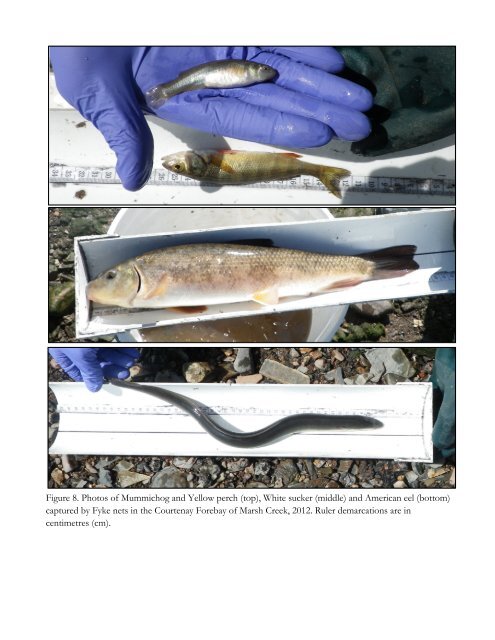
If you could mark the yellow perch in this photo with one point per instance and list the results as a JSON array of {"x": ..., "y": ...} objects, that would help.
[
  {"x": 206, "y": 274},
  {"x": 246, "y": 167}
]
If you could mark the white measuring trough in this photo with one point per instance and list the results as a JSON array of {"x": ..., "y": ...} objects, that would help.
[{"x": 122, "y": 421}]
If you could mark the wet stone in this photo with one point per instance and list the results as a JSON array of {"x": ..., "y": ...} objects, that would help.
[
  {"x": 394, "y": 360},
  {"x": 196, "y": 371},
  {"x": 410, "y": 305},
  {"x": 57, "y": 476},
  {"x": 104, "y": 478},
  {"x": 102, "y": 463},
  {"x": 123, "y": 465},
  {"x": 253, "y": 379},
  {"x": 236, "y": 464},
  {"x": 373, "y": 309},
  {"x": 61, "y": 298},
  {"x": 155, "y": 464},
  {"x": 243, "y": 362},
  {"x": 392, "y": 378},
  {"x": 285, "y": 471},
  {"x": 282, "y": 374},
  {"x": 68, "y": 463},
  {"x": 129, "y": 478},
  {"x": 262, "y": 468},
  {"x": 347, "y": 479},
  {"x": 169, "y": 478},
  {"x": 183, "y": 463},
  {"x": 344, "y": 466}
]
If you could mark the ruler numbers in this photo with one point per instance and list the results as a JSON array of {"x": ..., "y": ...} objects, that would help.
[{"x": 364, "y": 184}]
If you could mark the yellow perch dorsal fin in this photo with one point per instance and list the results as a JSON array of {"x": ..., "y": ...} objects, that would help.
[
  {"x": 159, "y": 290},
  {"x": 289, "y": 154},
  {"x": 266, "y": 297}
]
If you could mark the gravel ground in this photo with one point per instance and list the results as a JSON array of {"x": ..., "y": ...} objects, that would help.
[
  {"x": 322, "y": 366},
  {"x": 425, "y": 319}
]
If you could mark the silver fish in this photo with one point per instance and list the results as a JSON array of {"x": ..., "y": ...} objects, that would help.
[{"x": 220, "y": 74}]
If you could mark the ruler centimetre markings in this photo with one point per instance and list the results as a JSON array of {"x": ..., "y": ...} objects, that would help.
[
  {"x": 64, "y": 174},
  {"x": 220, "y": 410}
]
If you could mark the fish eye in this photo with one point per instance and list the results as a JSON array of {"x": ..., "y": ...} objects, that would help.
[
  {"x": 110, "y": 275},
  {"x": 177, "y": 167}
]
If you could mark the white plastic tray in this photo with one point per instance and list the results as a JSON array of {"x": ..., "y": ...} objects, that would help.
[
  {"x": 122, "y": 421},
  {"x": 430, "y": 230}
]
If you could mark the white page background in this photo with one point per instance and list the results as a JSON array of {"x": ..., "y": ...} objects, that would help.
[{"x": 244, "y": 578}]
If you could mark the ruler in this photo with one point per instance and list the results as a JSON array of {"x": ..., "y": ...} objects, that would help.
[
  {"x": 64, "y": 174},
  {"x": 220, "y": 410}
]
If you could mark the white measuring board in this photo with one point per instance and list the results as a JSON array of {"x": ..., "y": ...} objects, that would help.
[
  {"x": 431, "y": 230},
  {"x": 122, "y": 421},
  {"x": 82, "y": 171}
]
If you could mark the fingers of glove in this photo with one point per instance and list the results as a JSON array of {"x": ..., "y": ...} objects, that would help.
[
  {"x": 324, "y": 58},
  {"x": 99, "y": 83},
  {"x": 61, "y": 357},
  {"x": 123, "y": 125},
  {"x": 114, "y": 371},
  {"x": 89, "y": 368},
  {"x": 67, "y": 359},
  {"x": 122, "y": 357},
  {"x": 234, "y": 118},
  {"x": 317, "y": 83},
  {"x": 348, "y": 124}
]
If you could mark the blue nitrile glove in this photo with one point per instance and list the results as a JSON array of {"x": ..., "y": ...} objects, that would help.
[
  {"x": 443, "y": 379},
  {"x": 93, "y": 365},
  {"x": 305, "y": 106}
]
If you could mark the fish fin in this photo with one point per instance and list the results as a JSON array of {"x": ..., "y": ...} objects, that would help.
[
  {"x": 159, "y": 290},
  {"x": 216, "y": 159},
  {"x": 197, "y": 309},
  {"x": 343, "y": 284},
  {"x": 392, "y": 262},
  {"x": 289, "y": 154},
  {"x": 266, "y": 297},
  {"x": 331, "y": 177}
]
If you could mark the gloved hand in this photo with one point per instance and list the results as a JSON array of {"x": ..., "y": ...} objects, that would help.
[
  {"x": 443, "y": 379},
  {"x": 305, "y": 106},
  {"x": 91, "y": 365}
]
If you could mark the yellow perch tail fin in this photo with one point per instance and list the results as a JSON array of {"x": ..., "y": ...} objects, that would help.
[{"x": 331, "y": 177}]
